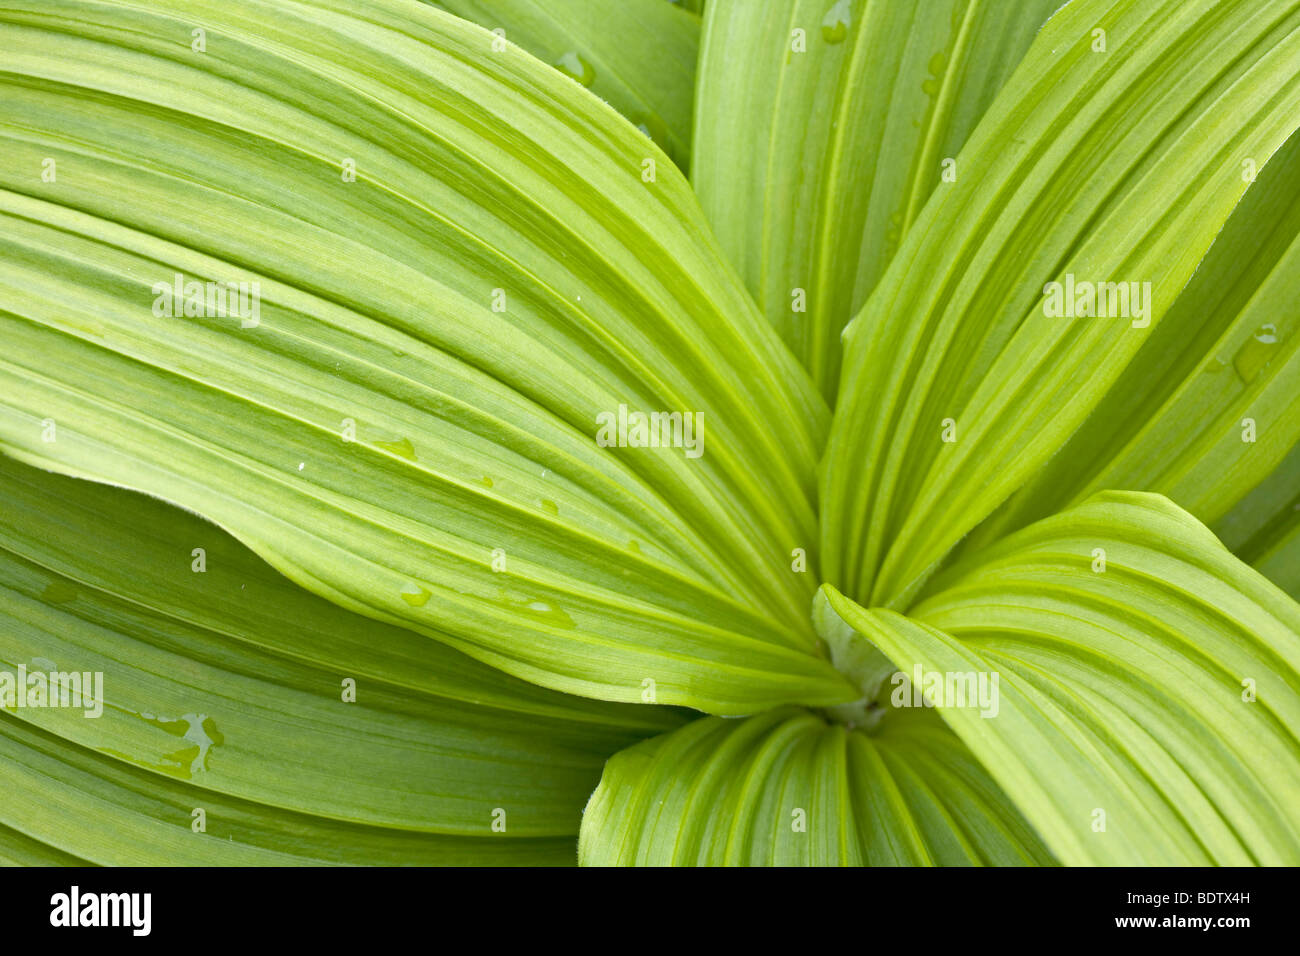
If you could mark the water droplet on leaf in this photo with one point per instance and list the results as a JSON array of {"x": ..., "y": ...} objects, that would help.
[
  {"x": 199, "y": 730},
  {"x": 835, "y": 25},
  {"x": 1257, "y": 352},
  {"x": 652, "y": 126},
  {"x": 58, "y": 591},
  {"x": 415, "y": 595},
  {"x": 575, "y": 65},
  {"x": 401, "y": 446},
  {"x": 551, "y": 615}
]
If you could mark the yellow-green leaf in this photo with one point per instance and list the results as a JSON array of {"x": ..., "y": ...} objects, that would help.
[{"x": 466, "y": 273}]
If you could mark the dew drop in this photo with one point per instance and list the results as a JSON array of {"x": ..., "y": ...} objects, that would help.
[
  {"x": 547, "y": 613},
  {"x": 302, "y": 465},
  {"x": 486, "y": 482},
  {"x": 1257, "y": 351},
  {"x": 575, "y": 65},
  {"x": 401, "y": 446},
  {"x": 199, "y": 731},
  {"x": 652, "y": 126},
  {"x": 58, "y": 591},
  {"x": 835, "y": 25},
  {"x": 550, "y": 507},
  {"x": 551, "y": 615},
  {"x": 894, "y": 232},
  {"x": 415, "y": 595}
]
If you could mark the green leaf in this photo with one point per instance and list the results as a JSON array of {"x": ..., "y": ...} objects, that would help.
[
  {"x": 822, "y": 129},
  {"x": 788, "y": 789},
  {"x": 694, "y": 6},
  {"x": 1279, "y": 558},
  {"x": 959, "y": 383},
  {"x": 83, "y": 808},
  {"x": 382, "y": 435},
  {"x": 639, "y": 55},
  {"x": 1210, "y": 406},
  {"x": 224, "y": 688},
  {"x": 1264, "y": 527},
  {"x": 1149, "y": 684}
]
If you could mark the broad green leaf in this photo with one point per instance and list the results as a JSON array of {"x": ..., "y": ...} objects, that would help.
[
  {"x": 786, "y": 788},
  {"x": 960, "y": 382},
  {"x": 1279, "y": 554},
  {"x": 1264, "y": 527},
  {"x": 383, "y": 435},
  {"x": 823, "y": 127},
  {"x": 84, "y": 808},
  {"x": 639, "y": 55},
  {"x": 1210, "y": 406},
  {"x": 17, "y": 849},
  {"x": 220, "y": 673},
  {"x": 1148, "y": 684}
]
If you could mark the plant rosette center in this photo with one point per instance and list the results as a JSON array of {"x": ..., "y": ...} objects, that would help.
[{"x": 857, "y": 659}]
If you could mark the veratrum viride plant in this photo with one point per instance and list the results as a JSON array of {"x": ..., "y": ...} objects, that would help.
[{"x": 528, "y": 431}]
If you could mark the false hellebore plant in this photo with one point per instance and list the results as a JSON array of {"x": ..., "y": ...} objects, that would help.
[{"x": 940, "y": 430}]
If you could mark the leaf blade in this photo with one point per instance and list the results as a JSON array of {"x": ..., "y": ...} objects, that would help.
[
  {"x": 623, "y": 565},
  {"x": 843, "y": 140},
  {"x": 226, "y": 688},
  {"x": 959, "y": 384},
  {"x": 786, "y": 788},
  {"x": 1122, "y": 690},
  {"x": 639, "y": 55},
  {"x": 1217, "y": 376}
]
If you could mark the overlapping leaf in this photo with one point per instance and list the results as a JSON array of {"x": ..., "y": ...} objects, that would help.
[
  {"x": 639, "y": 55},
  {"x": 787, "y": 788},
  {"x": 1114, "y": 166},
  {"x": 823, "y": 127},
  {"x": 410, "y": 427},
  {"x": 1149, "y": 684},
  {"x": 1210, "y": 406},
  {"x": 1278, "y": 554},
  {"x": 1264, "y": 527},
  {"x": 464, "y": 259},
  {"x": 224, "y": 690}
]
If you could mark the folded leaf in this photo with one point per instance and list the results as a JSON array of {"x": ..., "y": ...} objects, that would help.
[
  {"x": 82, "y": 808},
  {"x": 788, "y": 789},
  {"x": 639, "y": 55},
  {"x": 1263, "y": 529},
  {"x": 267, "y": 702},
  {"x": 428, "y": 419},
  {"x": 17, "y": 849},
  {"x": 1279, "y": 558},
  {"x": 1148, "y": 684},
  {"x": 823, "y": 127},
  {"x": 1210, "y": 406},
  {"x": 1098, "y": 167}
]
